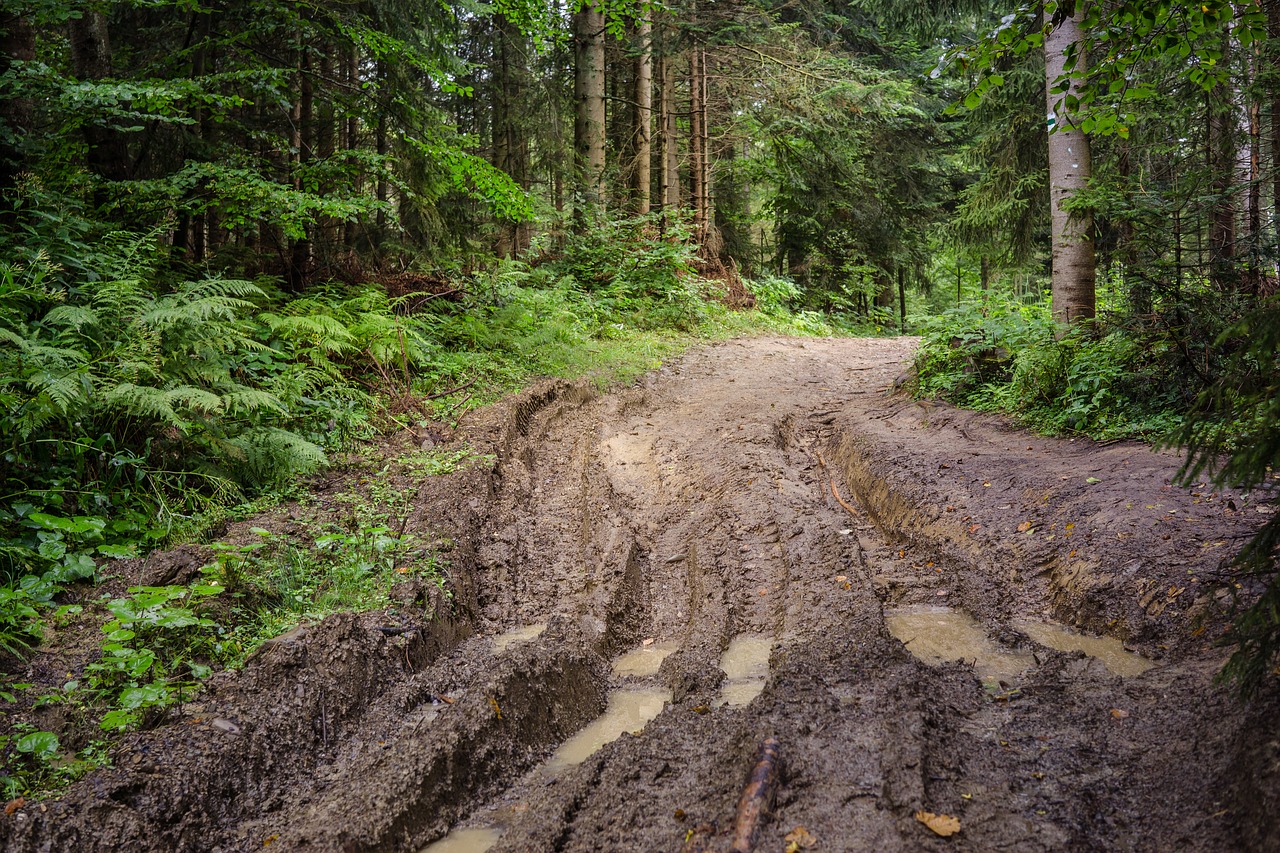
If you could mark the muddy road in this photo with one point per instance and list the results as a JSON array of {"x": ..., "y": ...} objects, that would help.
[{"x": 756, "y": 541}]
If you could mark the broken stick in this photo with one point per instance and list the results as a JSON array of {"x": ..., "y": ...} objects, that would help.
[{"x": 757, "y": 797}]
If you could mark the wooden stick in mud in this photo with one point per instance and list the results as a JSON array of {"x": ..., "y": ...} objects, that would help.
[
  {"x": 757, "y": 797},
  {"x": 831, "y": 478}
]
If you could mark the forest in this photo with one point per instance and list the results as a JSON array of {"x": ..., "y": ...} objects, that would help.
[{"x": 239, "y": 240}]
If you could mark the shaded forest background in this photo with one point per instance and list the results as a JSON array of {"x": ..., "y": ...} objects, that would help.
[{"x": 239, "y": 236}]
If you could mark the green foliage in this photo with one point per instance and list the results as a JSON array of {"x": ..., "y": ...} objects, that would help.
[
  {"x": 1233, "y": 435},
  {"x": 1102, "y": 380},
  {"x": 281, "y": 581},
  {"x": 20, "y": 625},
  {"x": 154, "y": 634},
  {"x": 774, "y": 294}
]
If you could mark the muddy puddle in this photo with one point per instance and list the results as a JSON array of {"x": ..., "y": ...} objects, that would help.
[
  {"x": 938, "y": 634},
  {"x": 1109, "y": 650},
  {"x": 644, "y": 661},
  {"x": 629, "y": 710},
  {"x": 501, "y": 642},
  {"x": 476, "y": 840},
  {"x": 746, "y": 667}
]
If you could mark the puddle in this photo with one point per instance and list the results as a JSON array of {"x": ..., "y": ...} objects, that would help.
[
  {"x": 746, "y": 666},
  {"x": 628, "y": 711},
  {"x": 465, "y": 841},
  {"x": 1109, "y": 650},
  {"x": 517, "y": 635},
  {"x": 644, "y": 661},
  {"x": 937, "y": 634}
]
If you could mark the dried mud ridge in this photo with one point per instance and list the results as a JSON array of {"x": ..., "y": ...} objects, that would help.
[{"x": 711, "y": 502}]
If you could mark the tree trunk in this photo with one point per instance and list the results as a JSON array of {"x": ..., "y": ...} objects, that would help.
[
  {"x": 17, "y": 43},
  {"x": 589, "y": 115},
  {"x": 304, "y": 136},
  {"x": 641, "y": 179},
  {"x": 1070, "y": 168},
  {"x": 1273, "y": 34},
  {"x": 351, "y": 133},
  {"x": 106, "y": 154},
  {"x": 503, "y": 133},
  {"x": 902, "y": 301},
  {"x": 698, "y": 142},
  {"x": 670, "y": 153}
]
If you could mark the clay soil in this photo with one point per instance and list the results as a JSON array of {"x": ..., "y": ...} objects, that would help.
[{"x": 770, "y": 487}]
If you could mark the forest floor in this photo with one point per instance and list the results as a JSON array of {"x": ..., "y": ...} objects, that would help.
[{"x": 736, "y": 548}]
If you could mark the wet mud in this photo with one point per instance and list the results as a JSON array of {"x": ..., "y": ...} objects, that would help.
[{"x": 929, "y": 609}]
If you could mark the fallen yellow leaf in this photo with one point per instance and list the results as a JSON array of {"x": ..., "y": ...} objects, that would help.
[
  {"x": 799, "y": 839},
  {"x": 1024, "y": 527},
  {"x": 941, "y": 824},
  {"x": 1119, "y": 714}
]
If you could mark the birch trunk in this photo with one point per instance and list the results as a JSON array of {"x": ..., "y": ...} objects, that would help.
[
  {"x": 1070, "y": 167},
  {"x": 589, "y": 115}
]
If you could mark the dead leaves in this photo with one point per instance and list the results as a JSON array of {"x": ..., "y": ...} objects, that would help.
[
  {"x": 799, "y": 839},
  {"x": 940, "y": 824}
]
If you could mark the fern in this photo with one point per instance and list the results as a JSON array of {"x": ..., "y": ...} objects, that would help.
[{"x": 270, "y": 456}]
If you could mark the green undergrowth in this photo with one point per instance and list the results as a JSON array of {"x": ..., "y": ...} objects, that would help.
[
  {"x": 142, "y": 409},
  {"x": 1121, "y": 376},
  {"x": 1198, "y": 373}
]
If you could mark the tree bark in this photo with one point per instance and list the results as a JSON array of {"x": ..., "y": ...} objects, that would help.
[
  {"x": 670, "y": 153},
  {"x": 698, "y": 142},
  {"x": 589, "y": 115},
  {"x": 106, "y": 154},
  {"x": 1273, "y": 35},
  {"x": 641, "y": 177},
  {"x": 503, "y": 133},
  {"x": 1070, "y": 168},
  {"x": 902, "y": 301}
]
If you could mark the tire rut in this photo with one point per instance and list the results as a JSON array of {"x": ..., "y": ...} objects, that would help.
[{"x": 698, "y": 507}]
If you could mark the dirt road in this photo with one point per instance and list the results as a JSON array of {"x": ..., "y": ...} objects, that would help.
[{"x": 736, "y": 549}]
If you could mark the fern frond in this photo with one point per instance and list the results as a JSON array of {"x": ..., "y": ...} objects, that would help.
[
  {"x": 319, "y": 330},
  {"x": 271, "y": 455},
  {"x": 172, "y": 311},
  {"x": 73, "y": 317},
  {"x": 244, "y": 401},
  {"x": 221, "y": 287},
  {"x": 195, "y": 399},
  {"x": 63, "y": 391},
  {"x": 161, "y": 405}
]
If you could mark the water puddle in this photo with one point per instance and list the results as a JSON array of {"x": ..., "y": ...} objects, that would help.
[
  {"x": 644, "y": 661},
  {"x": 475, "y": 840},
  {"x": 1109, "y": 650},
  {"x": 628, "y": 711},
  {"x": 517, "y": 635},
  {"x": 937, "y": 634},
  {"x": 746, "y": 666}
]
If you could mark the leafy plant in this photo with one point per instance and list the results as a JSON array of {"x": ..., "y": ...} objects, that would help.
[{"x": 151, "y": 638}]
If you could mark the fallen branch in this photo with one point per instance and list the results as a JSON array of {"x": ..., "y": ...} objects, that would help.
[
  {"x": 757, "y": 797},
  {"x": 462, "y": 387},
  {"x": 853, "y": 510}
]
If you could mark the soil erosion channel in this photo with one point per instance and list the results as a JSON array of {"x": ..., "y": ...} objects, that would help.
[{"x": 926, "y": 610}]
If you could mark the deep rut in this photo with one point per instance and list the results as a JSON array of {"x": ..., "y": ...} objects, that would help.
[{"x": 698, "y": 507}]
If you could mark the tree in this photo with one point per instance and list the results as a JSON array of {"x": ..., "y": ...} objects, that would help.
[
  {"x": 1070, "y": 166},
  {"x": 589, "y": 114}
]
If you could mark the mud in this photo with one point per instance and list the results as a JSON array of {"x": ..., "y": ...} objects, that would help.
[{"x": 766, "y": 488}]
